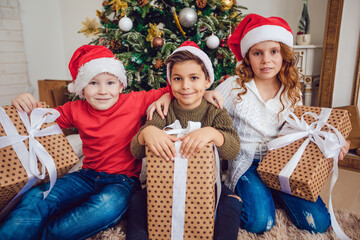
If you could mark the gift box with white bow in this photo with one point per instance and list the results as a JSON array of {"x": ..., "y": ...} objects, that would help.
[
  {"x": 299, "y": 162},
  {"x": 181, "y": 195},
  {"x": 33, "y": 150}
]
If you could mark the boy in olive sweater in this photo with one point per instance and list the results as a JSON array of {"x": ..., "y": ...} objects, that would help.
[{"x": 190, "y": 73}]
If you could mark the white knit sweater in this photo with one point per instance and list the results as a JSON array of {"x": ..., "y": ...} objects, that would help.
[{"x": 255, "y": 121}]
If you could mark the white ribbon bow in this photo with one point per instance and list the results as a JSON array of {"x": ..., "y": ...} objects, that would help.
[
  {"x": 180, "y": 176},
  {"x": 329, "y": 143},
  {"x": 29, "y": 159}
]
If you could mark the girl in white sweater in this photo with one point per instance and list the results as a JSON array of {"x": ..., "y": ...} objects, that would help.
[{"x": 265, "y": 88}]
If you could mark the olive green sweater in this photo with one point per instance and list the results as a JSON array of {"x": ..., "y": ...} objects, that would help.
[{"x": 207, "y": 114}]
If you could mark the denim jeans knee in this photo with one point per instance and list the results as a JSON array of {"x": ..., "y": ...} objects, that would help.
[
  {"x": 258, "y": 213},
  {"x": 306, "y": 215},
  {"x": 103, "y": 209},
  {"x": 80, "y": 205}
]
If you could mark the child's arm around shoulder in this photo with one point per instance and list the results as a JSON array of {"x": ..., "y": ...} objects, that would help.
[{"x": 25, "y": 102}]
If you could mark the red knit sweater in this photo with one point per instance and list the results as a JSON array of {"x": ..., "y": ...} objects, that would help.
[{"x": 106, "y": 135}]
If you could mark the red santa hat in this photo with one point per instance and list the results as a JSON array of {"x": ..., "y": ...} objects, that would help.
[
  {"x": 90, "y": 60},
  {"x": 254, "y": 29},
  {"x": 194, "y": 49}
]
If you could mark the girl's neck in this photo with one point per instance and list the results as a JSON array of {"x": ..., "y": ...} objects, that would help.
[{"x": 268, "y": 88}]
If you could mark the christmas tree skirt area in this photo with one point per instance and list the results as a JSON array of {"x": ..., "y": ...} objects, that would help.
[{"x": 283, "y": 229}]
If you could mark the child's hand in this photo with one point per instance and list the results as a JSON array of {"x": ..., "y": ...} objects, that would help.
[
  {"x": 160, "y": 143},
  {"x": 215, "y": 98},
  {"x": 163, "y": 101},
  {"x": 344, "y": 150},
  {"x": 25, "y": 102},
  {"x": 197, "y": 139}
]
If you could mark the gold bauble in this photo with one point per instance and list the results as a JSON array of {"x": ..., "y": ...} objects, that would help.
[{"x": 226, "y": 4}]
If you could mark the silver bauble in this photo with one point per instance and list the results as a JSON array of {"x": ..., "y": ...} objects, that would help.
[{"x": 187, "y": 17}]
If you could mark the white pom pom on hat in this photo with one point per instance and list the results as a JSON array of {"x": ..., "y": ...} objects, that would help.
[
  {"x": 90, "y": 60},
  {"x": 254, "y": 29}
]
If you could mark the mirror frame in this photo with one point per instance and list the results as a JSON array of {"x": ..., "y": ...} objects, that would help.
[
  {"x": 330, "y": 49},
  {"x": 355, "y": 99}
]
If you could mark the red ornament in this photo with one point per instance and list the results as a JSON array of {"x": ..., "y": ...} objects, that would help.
[{"x": 223, "y": 43}]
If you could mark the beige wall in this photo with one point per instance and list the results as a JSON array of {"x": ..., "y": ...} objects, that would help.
[
  {"x": 51, "y": 35},
  {"x": 347, "y": 53}
]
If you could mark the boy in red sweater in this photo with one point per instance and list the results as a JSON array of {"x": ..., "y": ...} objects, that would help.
[{"x": 94, "y": 198}]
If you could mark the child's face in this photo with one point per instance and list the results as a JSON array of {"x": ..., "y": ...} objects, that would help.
[
  {"x": 265, "y": 60},
  {"x": 188, "y": 83},
  {"x": 102, "y": 92}
]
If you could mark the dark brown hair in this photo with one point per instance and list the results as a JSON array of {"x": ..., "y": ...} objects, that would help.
[{"x": 182, "y": 56}]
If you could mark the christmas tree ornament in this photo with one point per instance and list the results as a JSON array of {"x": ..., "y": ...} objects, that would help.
[
  {"x": 143, "y": 2},
  {"x": 177, "y": 22},
  {"x": 90, "y": 27},
  {"x": 101, "y": 16},
  {"x": 212, "y": 42},
  {"x": 105, "y": 3},
  {"x": 200, "y": 3},
  {"x": 158, "y": 64},
  {"x": 154, "y": 32},
  {"x": 187, "y": 17},
  {"x": 226, "y": 5},
  {"x": 115, "y": 45},
  {"x": 116, "y": 5},
  {"x": 125, "y": 24},
  {"x": 158, "y": 42}
]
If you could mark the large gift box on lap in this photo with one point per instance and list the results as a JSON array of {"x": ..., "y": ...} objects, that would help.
[
  {"x": 306, "y": 177},
  {"x": 199, "y": 205},
  {"x": 50, "y": 149}
]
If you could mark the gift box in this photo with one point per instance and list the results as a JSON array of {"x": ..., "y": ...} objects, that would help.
[
  {"x": 199, "y": 205},
  {"x": 17, "y": 168},
  {"x": 305, "y": 177}
]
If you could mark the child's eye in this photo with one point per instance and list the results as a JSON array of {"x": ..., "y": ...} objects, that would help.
[
  {"x": 111, "y": 82},
  {"x": 257, "y": 53},
  {"x": 194, "y": 78},
  {"x": 92, "y": 83},
  {"x": 177, "y": 79},
  {"x": 274, "y": 51}
]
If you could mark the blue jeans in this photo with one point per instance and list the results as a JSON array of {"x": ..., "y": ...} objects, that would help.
[
  {"x": 80, "y": 205},
  {"x": 258, "y": 213}
]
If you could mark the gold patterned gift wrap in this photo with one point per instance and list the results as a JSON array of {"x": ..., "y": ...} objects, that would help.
[
  {"x": 300, "y": 161},
  {"x": 198, "y": 207},
  {"x": 33, "y": 150}
]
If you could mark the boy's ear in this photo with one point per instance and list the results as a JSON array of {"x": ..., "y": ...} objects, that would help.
[
  {"x": 121, "y": 88},
  {"x": 208, "y": 83}
]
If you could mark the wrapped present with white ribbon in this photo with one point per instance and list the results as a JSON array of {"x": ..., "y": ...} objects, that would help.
[
  {"x": 181, "y": 193},
  {"x": 299, "y": 162},
  {"x": 33, "y": 150}
]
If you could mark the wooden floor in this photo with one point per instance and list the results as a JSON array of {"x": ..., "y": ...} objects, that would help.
[{"x": 346, "y": 192}]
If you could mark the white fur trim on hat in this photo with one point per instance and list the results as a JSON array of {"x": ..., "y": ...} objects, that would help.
[
  {"x": 200, "y": 54},
  {"x": 93, "y": 68},
  {"x": 265, "y": 33}
]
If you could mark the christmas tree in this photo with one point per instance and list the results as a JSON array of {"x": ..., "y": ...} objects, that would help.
[{"x": 142, "y": 34}]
